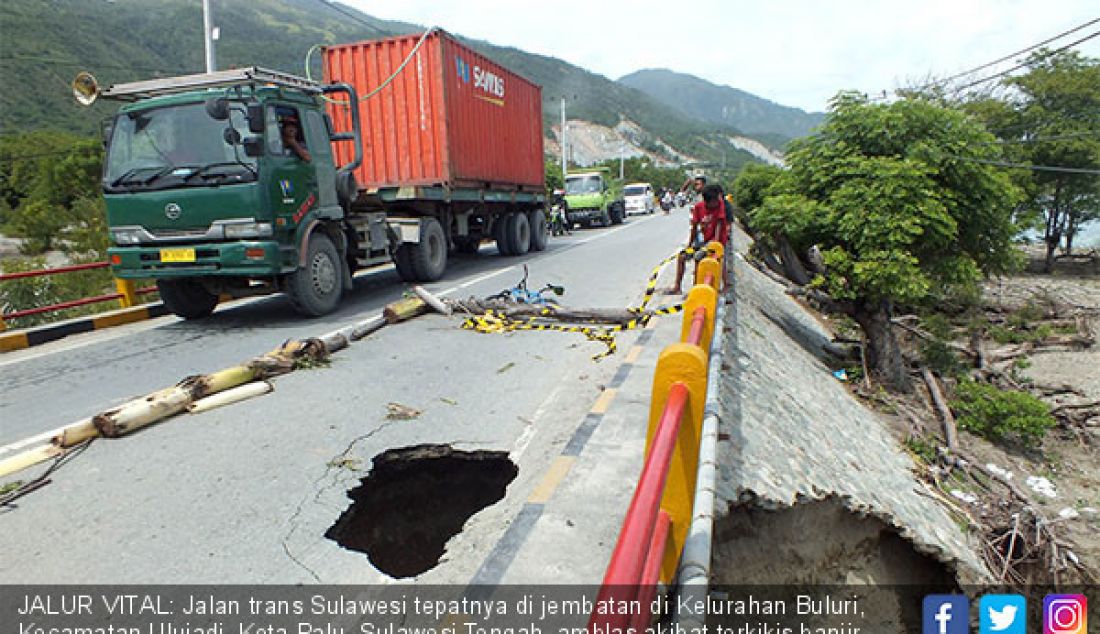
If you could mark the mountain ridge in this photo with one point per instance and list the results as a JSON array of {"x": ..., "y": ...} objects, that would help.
[
  {"x": 48, "y": 41},
  {"x": 722, "y": 104}
]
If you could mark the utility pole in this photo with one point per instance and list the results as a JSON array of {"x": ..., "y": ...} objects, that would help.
[
  {"x": 564, "y": 163},
  {"x": 210, "y": 34},
  {"x": 622, "y": 150}
]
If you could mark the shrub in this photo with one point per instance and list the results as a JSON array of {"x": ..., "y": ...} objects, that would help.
[
  {"x": 998, "y": 414},
  {"x": 32, "y": 292}
]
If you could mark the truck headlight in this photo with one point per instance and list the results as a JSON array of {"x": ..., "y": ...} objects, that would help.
[
  {"x": 125, "y": 237},
  {"x": 248, "y": 230}
]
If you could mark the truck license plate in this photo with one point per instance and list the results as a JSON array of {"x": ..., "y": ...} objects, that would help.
[{"x": 177, "y": 255}]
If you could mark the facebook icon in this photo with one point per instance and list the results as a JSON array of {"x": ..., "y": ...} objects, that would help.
[{"x": 946, "y": 614}]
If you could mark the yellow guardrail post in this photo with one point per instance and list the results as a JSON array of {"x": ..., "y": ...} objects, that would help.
[
  {"x": 707, "y": 297},
  {"x": 125, "y": 288},
  {"x": 717, "y": 251},
  {"x": 711, "y": 266},
  {"x": 687, "y": 364}
]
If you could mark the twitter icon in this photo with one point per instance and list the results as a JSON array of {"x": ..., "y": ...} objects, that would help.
[{"x": 1002, "y": 614}]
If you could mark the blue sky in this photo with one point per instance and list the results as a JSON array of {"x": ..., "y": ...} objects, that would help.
[{"x": 797, "y": 53}]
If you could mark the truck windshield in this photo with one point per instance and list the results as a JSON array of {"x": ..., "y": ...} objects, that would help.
[
  {"x": 634, "y": 191},
  {"x": 165, "y": 147},
  {"x": 583, "y": 185}
]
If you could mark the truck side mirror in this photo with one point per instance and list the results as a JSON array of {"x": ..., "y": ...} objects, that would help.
[
  {"x": 253, "y": 146},
  {"x": 255, "y": 116},
  {"x": 217, "y": 108}
]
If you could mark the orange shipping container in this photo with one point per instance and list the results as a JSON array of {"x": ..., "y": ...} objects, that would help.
[{"x": 451, "y": 117}]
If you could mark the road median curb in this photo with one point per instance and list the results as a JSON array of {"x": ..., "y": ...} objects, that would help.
[{"x": 28, "y": 337}]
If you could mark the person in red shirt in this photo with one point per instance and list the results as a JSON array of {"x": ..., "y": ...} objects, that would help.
[{"x": 708, "y": 223}]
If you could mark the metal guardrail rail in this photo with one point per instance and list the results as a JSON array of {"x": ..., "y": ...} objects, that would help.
[
  {"x": 659, "y": 517},
  {"x": 126, "y": 293}
]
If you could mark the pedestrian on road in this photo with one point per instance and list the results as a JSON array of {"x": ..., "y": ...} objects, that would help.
[{"x": 708, "y": 223}]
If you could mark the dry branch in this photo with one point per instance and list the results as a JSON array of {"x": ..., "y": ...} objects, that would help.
[
  {"x": 560, "y": 313},
  {"x": 951, "y": 433}
]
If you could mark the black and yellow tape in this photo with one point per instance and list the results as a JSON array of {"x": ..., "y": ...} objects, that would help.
[{"x": 496, "y": 321}]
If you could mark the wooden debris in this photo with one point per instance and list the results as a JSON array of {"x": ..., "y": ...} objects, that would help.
[
  {"x": 404, "y": 309},
  {"x": 76, "y": 433},
  {"x": 29, "y": 458},
  {"x": 397, "y": 411},
  {"x": 618, "y": 316},
  {"x": 951, "y": 433},
  {"x": 233, "y": 395},
  {"x": 437, "y": 304}
]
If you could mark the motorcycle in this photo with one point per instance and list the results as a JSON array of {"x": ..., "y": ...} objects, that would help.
[
  {"x": 559, "y": 219},
  {"x": 520, "y": 294}
]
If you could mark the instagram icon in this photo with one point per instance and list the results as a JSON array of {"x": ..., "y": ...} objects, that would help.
[{"x": 1065, "y": 614}]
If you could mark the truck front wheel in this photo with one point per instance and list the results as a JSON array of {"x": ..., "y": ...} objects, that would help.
[
  {"x": 315, "y": 288},
  {"x": 617, "y": 214},
  {"x": 429, "y": 258},
  {"x": 187, "y": 298}
]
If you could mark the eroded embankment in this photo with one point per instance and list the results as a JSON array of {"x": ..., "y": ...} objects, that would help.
[{"x": 808, "y": 475}]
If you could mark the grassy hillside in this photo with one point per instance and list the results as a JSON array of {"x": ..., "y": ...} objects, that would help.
[
  {"x": 46, "y": 42},
  {"x": 701, "y": 99}
]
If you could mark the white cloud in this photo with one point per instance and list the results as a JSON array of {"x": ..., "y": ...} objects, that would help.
[{"x": 797, "y": 53}]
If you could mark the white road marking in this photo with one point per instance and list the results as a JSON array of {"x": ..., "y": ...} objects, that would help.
[
  {"x": 524, "y": 439},
  {"x": 477, "y": 280}
]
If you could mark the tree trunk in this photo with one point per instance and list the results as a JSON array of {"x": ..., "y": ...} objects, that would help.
[
  {"x": 1071, "y": 231},
  {"x": 883, "y": 352},
  {"x": 792, "y": 265},
  {"x": 1054, "y": 226}
]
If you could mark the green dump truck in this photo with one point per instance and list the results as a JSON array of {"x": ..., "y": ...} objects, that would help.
[{"x": 591, "y": 196}]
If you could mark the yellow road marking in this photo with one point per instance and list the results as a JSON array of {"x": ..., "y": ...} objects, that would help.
[
  {"x": 604, "y": 401},
  {"x": 554, "y": 475}
]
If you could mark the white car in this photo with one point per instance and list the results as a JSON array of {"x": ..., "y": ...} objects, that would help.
[{"x": 639, "y": 198}]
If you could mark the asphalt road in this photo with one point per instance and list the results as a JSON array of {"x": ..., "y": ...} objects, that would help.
[{"x": 245, "y": 493}]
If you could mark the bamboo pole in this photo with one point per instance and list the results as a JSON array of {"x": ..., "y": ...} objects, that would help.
[
  {"x": 404, "y": 309},
  {"x": 232, "y": 395},
  {"x": 437, "y": 304},
  {"x": 76, "y": 433},
  {"x": 29, "y": 458}
]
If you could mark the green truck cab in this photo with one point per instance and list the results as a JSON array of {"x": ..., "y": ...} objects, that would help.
[
  {"x": 204, "y": 197},
  {"x": 592, "y": 196}
]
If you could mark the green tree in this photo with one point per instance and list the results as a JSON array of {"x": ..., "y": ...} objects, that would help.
[
  {"x": 554, "y": 178},
  {"x": 751, "y": 185},
  {"x": 1055, "y": 112},
  {"x": 50, "y": 192},
  {"x": 898, "y": 201}
]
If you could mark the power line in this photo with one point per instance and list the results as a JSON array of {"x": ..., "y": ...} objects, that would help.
[
  {"x": 1011, "y": 55},
  {"x": 1025, "y": 166},
  {"x": 1061, "y": 137},
  {"x": 336, "y": 7},
  {"x": 1024, "y": 64}
]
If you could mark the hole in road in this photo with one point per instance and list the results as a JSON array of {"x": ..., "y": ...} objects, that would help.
[{"x": 414, "y": 500}]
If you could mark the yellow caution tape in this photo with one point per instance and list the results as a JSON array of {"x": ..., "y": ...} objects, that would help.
[{"x": 496, "y": 321}]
